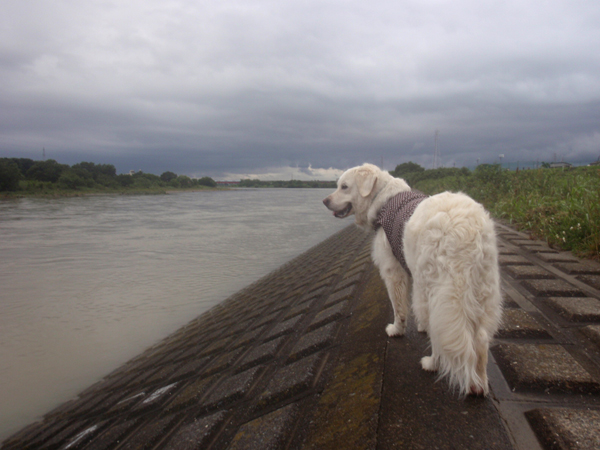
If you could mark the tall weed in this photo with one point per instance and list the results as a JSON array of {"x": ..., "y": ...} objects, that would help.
[{"x": 562, "y": 207}]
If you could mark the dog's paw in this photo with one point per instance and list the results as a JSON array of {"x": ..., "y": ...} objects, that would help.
[
  {"x": 394, "y": 330},
  {"x": 477, "y": 391},
  {"x": 429, "y": 363},
  {"x": 421, "y": 328}
]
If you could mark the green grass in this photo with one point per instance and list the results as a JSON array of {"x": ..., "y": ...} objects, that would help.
[{"x": 559, "y": 206}]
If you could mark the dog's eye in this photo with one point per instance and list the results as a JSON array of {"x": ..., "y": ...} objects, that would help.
[{"x": 344, "y": 186}]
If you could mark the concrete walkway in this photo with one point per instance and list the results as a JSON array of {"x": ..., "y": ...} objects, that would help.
[{"x": 300, "y": 360}]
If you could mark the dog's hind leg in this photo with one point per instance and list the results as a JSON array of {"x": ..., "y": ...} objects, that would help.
[
  {"x": 482, "y": 341},
  {"x": 420, "y": 306},
  {"x": 398, "y": 287}
]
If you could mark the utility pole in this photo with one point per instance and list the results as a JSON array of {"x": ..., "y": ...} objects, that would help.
[
  {"x": 43, "y": 153},
  {"x": 436, "y": 156}
]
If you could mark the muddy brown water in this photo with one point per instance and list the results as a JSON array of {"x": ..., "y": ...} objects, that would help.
[{"x": 88, "y": 283}]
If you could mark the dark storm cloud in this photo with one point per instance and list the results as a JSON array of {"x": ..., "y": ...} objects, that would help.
[{"x": 262, "y": 88}]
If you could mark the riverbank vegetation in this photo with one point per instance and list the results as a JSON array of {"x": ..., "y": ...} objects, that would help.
[
  {"x": 25, "y": 177},
  {"x": 561, "y": 206},
  {"x": 287, "y": 184}
]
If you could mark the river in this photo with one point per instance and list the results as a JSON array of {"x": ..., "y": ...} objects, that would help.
[{"x": 87, "y": 283}]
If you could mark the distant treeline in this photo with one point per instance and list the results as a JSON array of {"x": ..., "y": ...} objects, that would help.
[
  {"x": 287, "y": 184},
  {"x": 27, "y": 175},
  {"x": 561, "y": 206}
]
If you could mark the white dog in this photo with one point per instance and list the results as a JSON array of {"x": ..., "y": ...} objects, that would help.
[{"x": 450, "y": 250}]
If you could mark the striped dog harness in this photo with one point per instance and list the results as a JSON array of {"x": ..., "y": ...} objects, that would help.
[{"x": 393, "y": 217}]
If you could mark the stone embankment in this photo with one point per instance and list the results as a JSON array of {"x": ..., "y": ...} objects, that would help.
[{"x": 300, "y": 360}]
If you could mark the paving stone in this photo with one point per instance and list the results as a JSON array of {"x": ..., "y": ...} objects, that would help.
[
  {"x": 528, "y": 272},
  {"x": 338, "y": 296},
  {"x": 580, "y": 268},
  {"x": 522, "y": 241},
  {"x": 564, "y": 428},
  {"x": 191, "y": 368},
  {"x": 349, "y": 281},
  {"x": 84, "y": 436},
  {"x": 48, "y": 431},
  {"x": 592, "y": 332},
  {"x": 156, "y": 397},
  {"x": 358, "y": 267},
  {"x": 270, "y": 432},
  {"x": 215, "y": 347},
  {"x": 163, "y": 374},
  {"x": 552, "y": 288},
  {"x": 191, "y": 352},
  {"x": 112, "y": 436},
  {"x": 282, "y": 328},
  {"x": 231, "y": 389},
  {"x": 221, "y": 362},
  {"x": 126, "y": 379},
  {"x": 290, "y": 380},
  {"x": 196, "y": 434},
  {"x": 317, "y": 291},
  {"x": 127, "y": 403},
  {"x": 106, "y": 403},
  {"x": 296, "y": 310},
  {"x": 576, "y": 309},
  {"x": 543, "y": 367},
  {"x": 148, "y": 435},
  {"x": 591, "y": 280},
  {"x": 59, "y": 438},
  {"x": 70, "y": 406},
  {"x": 191, "y": 393},
  {"x": 263, "y": 321},
  {"x": 335, "y": 312},
  {"x": 505, "y": 251},
  {"x": 517, "y": 323},
  {"x": 558, "y": 257},
  {"x": 248, "y": 338},
  {"x": 260, "y": 354},
  {"x": 314, "y": 341},
  {"x": 538, "y": 249},
  {"x": 507, "y": 260}
]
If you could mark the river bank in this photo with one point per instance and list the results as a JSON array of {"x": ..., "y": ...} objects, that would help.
[{"x": 89, "y": 282}]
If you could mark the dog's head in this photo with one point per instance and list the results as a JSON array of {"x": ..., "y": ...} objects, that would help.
[{"x": 354, "y": 192}]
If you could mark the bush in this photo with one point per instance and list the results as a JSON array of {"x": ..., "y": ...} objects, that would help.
[
  {"x": 69, "y": 179},
  {"x": 207, "y": 181},
  {"x": 168, "y": 176},
  {"x": 48, "y": 170},
  {"x": 10, "y": 175},
  {"x": 403, "y": 169},
  {"x": 182, "y": 181}
]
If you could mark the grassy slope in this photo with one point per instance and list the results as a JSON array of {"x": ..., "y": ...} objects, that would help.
[{"x": 562, "y": 207}]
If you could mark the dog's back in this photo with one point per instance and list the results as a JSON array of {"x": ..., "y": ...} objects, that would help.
[{"x": 450, "y": 246}]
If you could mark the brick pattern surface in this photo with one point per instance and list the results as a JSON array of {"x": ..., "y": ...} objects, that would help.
[
  {"x": 300, "y": 360},
  {"x": 235, "y": 377},
  {"x": 548, "y": 348}
]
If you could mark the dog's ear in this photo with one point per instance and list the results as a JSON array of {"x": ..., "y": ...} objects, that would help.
[{"x": 366, "y": 180}]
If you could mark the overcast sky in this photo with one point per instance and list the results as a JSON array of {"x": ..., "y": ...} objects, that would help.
[{"x": 282, "y": 88}]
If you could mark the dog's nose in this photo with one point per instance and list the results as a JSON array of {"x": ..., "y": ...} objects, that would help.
[{"x": 326, "y": 201}]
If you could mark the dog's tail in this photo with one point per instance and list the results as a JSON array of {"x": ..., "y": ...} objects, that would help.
[{"x": 462, "y": 323}]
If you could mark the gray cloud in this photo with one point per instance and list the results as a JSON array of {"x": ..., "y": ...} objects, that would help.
[{"x": 239, "y": 87}]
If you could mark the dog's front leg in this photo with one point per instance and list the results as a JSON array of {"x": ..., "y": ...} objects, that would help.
[{"x": 398, "y": 287}]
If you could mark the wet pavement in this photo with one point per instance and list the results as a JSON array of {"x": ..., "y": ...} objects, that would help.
[{"x": 300, "y": 360}]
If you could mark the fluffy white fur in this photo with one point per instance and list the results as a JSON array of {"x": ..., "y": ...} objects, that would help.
[{"x": 450, "y": 249}]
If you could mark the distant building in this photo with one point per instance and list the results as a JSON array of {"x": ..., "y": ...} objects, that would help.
[
  {"x": 131, "y": 172},
  {"x": 558, "y": 165}
]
